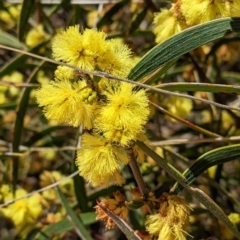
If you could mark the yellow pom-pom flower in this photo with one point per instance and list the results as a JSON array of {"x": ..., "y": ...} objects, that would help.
[
  {"x": 122, "y": 118},
  {"x": 80, "y": 50},
  {"x": 36, "y": 36},
  {"x": 23, "y": 212},
  {"x": 11, "y": 15},
  {"x": 91, "y": 51},
  {"x": 117, "y": 60},
  {"x": 170, "y": 222},
  {"x": 168, "y": 23},
  {"x": 200, "y": 11},
  {"x": 99, "y": 161},
  {"x": 67, "y": 102},
  {"x": 234, "y": 7}
]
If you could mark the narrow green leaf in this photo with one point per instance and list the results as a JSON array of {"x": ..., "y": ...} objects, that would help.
[
  {"x": 80, "y": 190},
  {"x": 8, "y": 106},
  {"x": 27, "y": 9},
  {"x": 214, "y": 209},
  {"x": 1, "y": 5},
  {"x": 127, "y": 230},
  {"x": 80, "y": 228},
  {"x": 185, "y": 122},
  {"x": 170, "y": 169},
  {"x": 65, "y": 225},
  {"x": 10, "y": 40},
  {"x": 21, "y": 111},
  {"x": 198, "y": 194},
  {"x": 182, "y": 43},
  {"x": 156, "y": 76},
  {"x": 137, "y": 21},
  {"x": 207, "y": 160},
  {"x": 231, "y": 75},
  {"x": 205, "y": 87}
]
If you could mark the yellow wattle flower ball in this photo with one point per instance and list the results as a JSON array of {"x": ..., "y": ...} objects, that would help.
[
  {"x": 117, "y": 60},
  {"x": 80, "y": 50},
  {"x": 200, "y": 11},
  {"x": 170, "y": 222},
  {"x": 99, "y": 161},
  {"x": 36, "y": 36},
  {"x": 63, "y": 101},
  {"x": 23, "y": 212},
  {"x": 90, "y": 50},
  {"x": 10, "y": 17},
  {"x": 167, "y": 23},
  {"x": 234, "y": 7},
  {"x": 124, "y": 115}
]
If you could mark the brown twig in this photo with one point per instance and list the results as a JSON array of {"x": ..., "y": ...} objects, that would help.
[{"x": 137, "y": 175}]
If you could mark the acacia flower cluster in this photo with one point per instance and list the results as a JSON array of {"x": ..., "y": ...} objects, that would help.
[
  {"x": 186, "y": 13},
  {"x": 114, "y": 113},
  {"x": 171, "y": 219},
  {"x": 25, "y": 212}
]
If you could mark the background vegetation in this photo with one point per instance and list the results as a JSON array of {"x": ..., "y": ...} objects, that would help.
[{"x": 193, "y": 86}]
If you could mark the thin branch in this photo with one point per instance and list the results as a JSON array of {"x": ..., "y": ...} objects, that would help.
[
  {"x": 40, "y": 190},
  {"x": 185, "y": 122},
  {"x": 193, "y": 141},
  {"x": 13, "y": 84},
  {"x": 137, "y": 174},
  {"x": 109, "y": 76},
  {"x": 152, "y": 143}
]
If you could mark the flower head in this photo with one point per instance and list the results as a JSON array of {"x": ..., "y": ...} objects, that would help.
[
  {"x": 23, "y": 212},
  {"x": 99, "y": 161},
  {"x": 168, "y": 23},
  {"x": 122, "y": 118},
  {"x": 170, "y": 221},
  {"x": 67, "y": 102},
  {"x": 117, "y": 59},
  {"x": 10, "y": 15},
  {"x": 200, "y": 11},
  {"x": 234, "y": 7},
  {"x": 91, "y": 50},
  {"x": 36, "y": 36}
]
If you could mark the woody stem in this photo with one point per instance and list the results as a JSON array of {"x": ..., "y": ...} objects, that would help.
[{"x": 137, "y": 174}]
